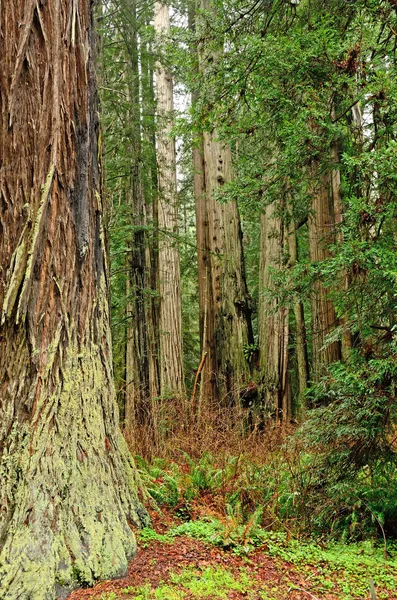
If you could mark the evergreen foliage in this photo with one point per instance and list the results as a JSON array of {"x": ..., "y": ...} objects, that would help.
[{"x": 302, "y": 93}]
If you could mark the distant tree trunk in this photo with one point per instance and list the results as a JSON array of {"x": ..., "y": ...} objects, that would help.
[
  {"x": 346, "y": 339},
  {"x": 273, "y": 322},
  {"x": 151, "y": 206},
  {"x": 321, "y": 235},
  {"x": 137, "y": 398},
  {"x": 227, "y": 311},
  {"x": 68, "y": 487},
  {"x": 171, "y": 353},
  {"x": 300, "y": 330},
  {"x": 223, "y": 285},
  {"x": 208, "y": 387},
  {"x": 208, "y": 378}
]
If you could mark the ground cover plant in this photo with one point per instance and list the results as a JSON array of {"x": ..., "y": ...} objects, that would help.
[{"x": 212, "y": 537}]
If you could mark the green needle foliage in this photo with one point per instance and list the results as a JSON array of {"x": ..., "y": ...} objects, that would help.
[{"x": 293, "y": 84}]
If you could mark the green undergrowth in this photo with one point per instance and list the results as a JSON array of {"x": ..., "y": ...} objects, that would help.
[
  {"x": 340, "y": 569},
  {"x": 260, "y": 507},
  {"x": 289, "y": 491},
  {"x": 349, "y": 567},
  {"x": 209, "y": 582}
]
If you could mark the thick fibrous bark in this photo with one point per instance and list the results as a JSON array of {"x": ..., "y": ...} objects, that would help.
[
  {"x": 228, "y": 301},
  {"x": 68, "y": 488},
  {"x": 207, "y": 375},
  {"x": 273, "y": 327},
  {"x": 150, "y": 184},
  {"x": 208, "y": 386},
  {"x": 224, "y": 305},
  {"x": 171, "y": 355},
  {"x": 346, "y": 341},
  {"x": 321, "y": 235}
]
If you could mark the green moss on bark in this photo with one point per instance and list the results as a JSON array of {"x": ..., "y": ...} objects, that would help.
[{"x": 69, "y": 482}]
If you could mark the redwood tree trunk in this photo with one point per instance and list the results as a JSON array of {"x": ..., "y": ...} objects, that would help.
[
  {"x": 346, "y": 339},
  {"x": 68, "y": 493},
  {"x": 208, "y": 379},
  {"x": 225, "y": 309},
  {"x": 171, "y": 354},
  {"x": 150, "y": 184},
  {"x": 300, "y": 330},
  {"x": 321, "y": 235},
  {"x": 137, "y": 397},
  {"x": 273, "y": 322}
]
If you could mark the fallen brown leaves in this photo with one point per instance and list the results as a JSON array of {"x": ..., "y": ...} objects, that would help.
[{"x": 154, "y": 564}]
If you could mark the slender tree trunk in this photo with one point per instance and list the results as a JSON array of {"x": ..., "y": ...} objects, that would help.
[
  {"x": 300, "y": 330},
  {"x": 321, "y": 235},
  {"x": 208, "y": 386},
  {"x": 273, "y": 322},
  {"x": 208, "y": 376},
  {"x": 346, "y": 340},
  {"x": 137, "y": 406},
  {"x": 171, "y": 354},
  {"x": 151, "y": 208},
  {"x": 68, "y": 484}
]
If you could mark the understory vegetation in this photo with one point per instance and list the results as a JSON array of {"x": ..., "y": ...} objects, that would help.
[
  {"x": 255, "y": 512},
  {"x": 283, "y": 238}
]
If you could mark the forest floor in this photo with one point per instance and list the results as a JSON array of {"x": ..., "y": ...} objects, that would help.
[{"x": 183, "y": 561}]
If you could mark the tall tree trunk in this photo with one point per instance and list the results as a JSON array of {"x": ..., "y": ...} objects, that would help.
[
  {"x": 208, "y": 378},
  {"x": 171, "y": 354},
  {"x": 223, "y": 289},
  {"x": 228, "y": 313},
  {"x": 69, "y": 491},
  {"x": 273, "y": 322},
  {"x": 150, "y": 183},
  {"x": 137, "y": 402},
  {"x": 346, "y": 339},
  {"x": 321, "y": 235},
  {"x": 208, "y": 386},
  {"x": 300, "y": 330}
]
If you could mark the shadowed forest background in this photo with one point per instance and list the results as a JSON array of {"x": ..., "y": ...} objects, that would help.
[
  {"x": 254, "y": 294},
  {"x": 198, "y": 247},
  {"x": 253, "y": 271}
]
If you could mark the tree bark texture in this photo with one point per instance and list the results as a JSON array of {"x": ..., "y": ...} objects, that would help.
[
  {"x": 300, "y": 329},
  {"x": 346, "y": 338},
  {"x": 68, "y": 484},
  {"x": 208, "y": 385},
  {"x": 228, "y": 313},
  {"x": 137, "y": 397},
  {"x": 150, "y": 184},
  {"x": 207, "y": 376},
  {"x": 321, "y": 235},
  {"x": 224, "y": 303},
  {"x": 273, "y": 322},
  {"x": 171, "y": 353}
]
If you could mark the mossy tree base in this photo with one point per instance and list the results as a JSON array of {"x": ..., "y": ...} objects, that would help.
[{"x": 69, "y": 489}]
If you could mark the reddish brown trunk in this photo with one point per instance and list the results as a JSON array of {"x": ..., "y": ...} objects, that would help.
[
  {"x": 59, "y": 433},
  {"x": 273, "y": 322},
  {"x": 171, "y": 348},
  {"x": 321, "y": 235},
  {"x": 224, "y": 305},
  {"x": 346, "y": 341},
  {"x": 138, "y": 408}
]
